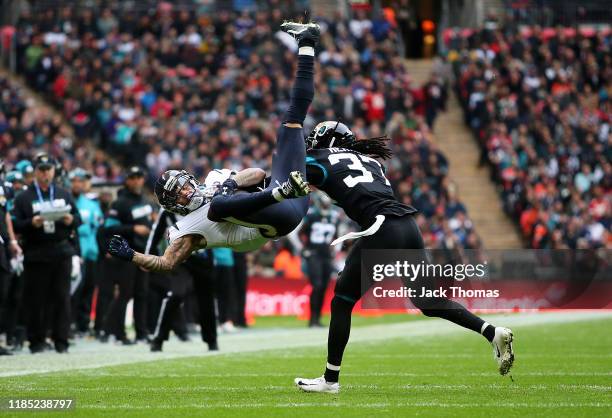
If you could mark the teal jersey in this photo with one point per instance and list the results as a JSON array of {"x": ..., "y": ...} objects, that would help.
[
  {"x": 92, "y": 218},
  {"x": 223, "y": 257}
]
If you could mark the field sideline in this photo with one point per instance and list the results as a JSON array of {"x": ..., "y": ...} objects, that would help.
[{"x": 413, "y": 368}]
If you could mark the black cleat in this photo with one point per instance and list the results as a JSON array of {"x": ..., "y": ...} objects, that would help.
[
  {"x": 37, "y": 348},
  {"x": 126, "y": 341},
  {"x": 213, "y": 346},
  {"x": 228, "y": 188},
  {"x": 306, "y": 34},
  {"x": 295, "y": 187},
  {"x": 156, "y": 346},
  {"x": 61, "y": 347}
]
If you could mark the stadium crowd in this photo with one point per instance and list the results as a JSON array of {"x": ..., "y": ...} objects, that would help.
[
  {"x": 539, "y": 103},
  {"x": 176, "y": 88},
  {"x": 28, "y": 127},
  {"x": 198, "y": 89}
]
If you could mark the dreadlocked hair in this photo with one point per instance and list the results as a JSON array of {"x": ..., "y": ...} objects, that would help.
[{"x": 372, "y": 147}]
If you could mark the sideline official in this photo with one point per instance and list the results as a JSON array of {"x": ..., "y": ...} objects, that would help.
[{"x": 46, "y": 217}]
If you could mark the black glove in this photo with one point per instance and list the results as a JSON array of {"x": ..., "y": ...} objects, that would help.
[
  {"x": 119, "y": 247},
  {"x": 228, "y": 187}
]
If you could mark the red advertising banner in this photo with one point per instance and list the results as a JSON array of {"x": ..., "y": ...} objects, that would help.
[{"x": 282, "y": 297}]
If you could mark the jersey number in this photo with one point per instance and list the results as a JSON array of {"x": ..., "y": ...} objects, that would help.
[
  {"x": 357, "y": 165},
  {"x": 322, "y": 233}
]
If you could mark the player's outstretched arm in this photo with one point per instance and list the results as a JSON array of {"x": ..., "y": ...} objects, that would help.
[
  {"x": 249, "y": 177},
  {"x": 175, "y": 254}
]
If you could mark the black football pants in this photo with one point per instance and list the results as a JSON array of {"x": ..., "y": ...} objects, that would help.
[{"x": 47, "y": 285}]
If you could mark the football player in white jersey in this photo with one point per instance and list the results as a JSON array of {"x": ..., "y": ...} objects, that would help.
[{"x": 218, "y": 214}]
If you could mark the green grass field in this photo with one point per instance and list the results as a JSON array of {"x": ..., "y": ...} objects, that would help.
[{"x": 562, "y": 369}]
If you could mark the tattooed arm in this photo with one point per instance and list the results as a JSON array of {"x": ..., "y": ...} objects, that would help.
[
  {"x": 249, "y": 177},
  {"x": 175, "y": 254}
]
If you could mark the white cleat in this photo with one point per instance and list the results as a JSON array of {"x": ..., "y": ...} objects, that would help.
[
  {"x": 502, "y": 349},
  {"x": 228, "y": 327},
  {"x": 316, "y": 385}
]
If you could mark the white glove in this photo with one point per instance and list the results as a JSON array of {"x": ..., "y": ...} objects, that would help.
[
  {"x": 75, "y": 274},
  {"x": 17, "y": 264}
]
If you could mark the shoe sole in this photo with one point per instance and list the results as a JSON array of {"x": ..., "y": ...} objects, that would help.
[
  {"x": 295, "y": 29},
  {"x": 291, "y": 25},
  {"x": 507, "y": 358}
]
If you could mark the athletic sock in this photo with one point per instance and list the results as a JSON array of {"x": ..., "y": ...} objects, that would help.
[
  {"x": 302, "y": 92},
  {"x": 461, "y": 316},
  {"x": 277, "y": 194},
  {"x": 306, "y": 50},
  {"x": 454, "y": 312},
  {"x": 488, "y": 331},
  {"x": 332, "y": 373},
  {"x": 339, "y": 332}
]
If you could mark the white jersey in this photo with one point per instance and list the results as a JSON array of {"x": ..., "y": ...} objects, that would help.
[{"x": 217, "y": 234}]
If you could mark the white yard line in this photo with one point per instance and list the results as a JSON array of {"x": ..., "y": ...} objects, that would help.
[
  {"x": 360, "y": 405},
  {"x": 91, "y": 355},
  {"x": 284, "y": 388}
]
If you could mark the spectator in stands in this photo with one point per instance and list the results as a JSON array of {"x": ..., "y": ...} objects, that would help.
[
  {"x": 205, "y": 89},
  {"x": 173, "y": 94},
  {"x": 530, "y": 97},
  {"x": 287, "y": 264}
]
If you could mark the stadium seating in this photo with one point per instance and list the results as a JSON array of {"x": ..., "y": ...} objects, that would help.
[
  {"x": 538, "y": 101},
  {"x": 199, "y": 90},
  {"x": 28, "y": 126}
]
